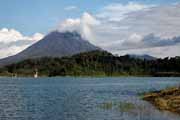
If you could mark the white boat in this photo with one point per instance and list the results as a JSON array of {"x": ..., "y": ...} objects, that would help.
[{"x": 36, "y": 74}]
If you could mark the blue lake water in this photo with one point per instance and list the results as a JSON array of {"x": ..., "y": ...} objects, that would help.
[{"x": 67, "y": 98}]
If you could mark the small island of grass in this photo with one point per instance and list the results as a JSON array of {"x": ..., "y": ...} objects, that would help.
[{"x": 168, "y": 99}]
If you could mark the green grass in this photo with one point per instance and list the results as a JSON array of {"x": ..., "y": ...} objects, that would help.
[
  {"x": 125, "y": 106},
  {"x": 107, "y": 106},
  {"x": 120, "y": 106}
]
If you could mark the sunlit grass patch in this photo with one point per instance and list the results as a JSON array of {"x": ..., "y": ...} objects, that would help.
[
  {"x": 107, "y": 105},
  {"x": 120, "y": 106},
  {"x": 125, "y": 106}
]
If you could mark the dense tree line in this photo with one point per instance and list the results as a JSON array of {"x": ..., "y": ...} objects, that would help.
[{"x": 95, "y": 63}]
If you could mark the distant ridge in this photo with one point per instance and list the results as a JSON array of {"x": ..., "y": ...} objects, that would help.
[
  {"x": 143, "y": 57},
  {"x": 55, "y": 44}
]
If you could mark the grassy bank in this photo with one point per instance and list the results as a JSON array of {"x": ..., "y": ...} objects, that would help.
[{"x": 168, "y": 99}]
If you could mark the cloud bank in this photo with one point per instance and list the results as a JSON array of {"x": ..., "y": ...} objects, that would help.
[
  {"x": 131, "y": 28},
  {"x": 12, "y": 41}
]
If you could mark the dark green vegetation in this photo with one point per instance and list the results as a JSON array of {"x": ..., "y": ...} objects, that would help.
[
  {"x": 168, "y": 99},
  {"x": 95, "y": 63}
]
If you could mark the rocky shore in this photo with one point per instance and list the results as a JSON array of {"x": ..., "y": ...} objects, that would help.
[{"x": 168, "y": 99}]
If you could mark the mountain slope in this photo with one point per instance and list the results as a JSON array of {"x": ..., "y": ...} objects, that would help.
[
  {"x": 55, "y": 44},
  {"x": 143, "y": 57}
]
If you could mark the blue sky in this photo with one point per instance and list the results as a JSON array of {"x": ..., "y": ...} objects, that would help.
[{"x": 30, "y": 16}]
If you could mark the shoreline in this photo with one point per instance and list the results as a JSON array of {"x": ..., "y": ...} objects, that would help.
[
  {"x": 93, "y": 76},
  {"x": 165, "y": 100}
]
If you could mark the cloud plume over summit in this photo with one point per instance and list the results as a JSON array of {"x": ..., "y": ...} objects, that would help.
[{"x": 83, "y": 25}]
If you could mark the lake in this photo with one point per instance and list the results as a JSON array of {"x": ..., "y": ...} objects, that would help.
[{"x": 68, "y": 98}]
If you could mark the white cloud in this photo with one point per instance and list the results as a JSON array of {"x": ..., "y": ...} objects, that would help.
[
  {"x": 159, "y": 52},
  {"x": 9, "y": 51},
  {"x": 36, "y": 37},
  {"x": 82, "y": 25},
  {"x": 70, "y": 25},
  {"x": 11, "y": 35},
  {"x": 133, "y": 39},
  {"x": 70, "y": 8},
  {"x": 124, "y": 28},
  {"x": 117, "y": 11},
  {"x": 103, "y": 34},
  {"x": 7, "y": 36},
  {"x": 12, "y": 41}
]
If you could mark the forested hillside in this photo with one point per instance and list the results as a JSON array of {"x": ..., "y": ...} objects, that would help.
[{"x": 95, "y": 63}]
